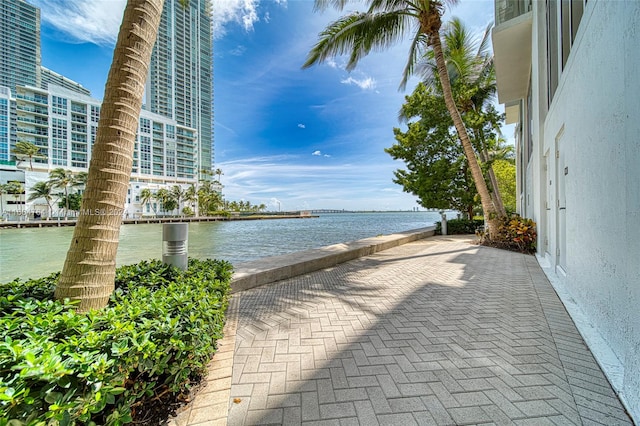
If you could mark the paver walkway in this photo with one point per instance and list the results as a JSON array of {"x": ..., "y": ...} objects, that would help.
[{"x": 435, "y": 332}]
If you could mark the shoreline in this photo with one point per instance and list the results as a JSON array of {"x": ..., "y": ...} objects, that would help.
[{"x": 149, "y": 220}]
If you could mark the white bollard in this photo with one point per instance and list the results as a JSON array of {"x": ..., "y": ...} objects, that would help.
[
  {"x": 444, "y": 223},
  {"x": 174, "y": 244}
]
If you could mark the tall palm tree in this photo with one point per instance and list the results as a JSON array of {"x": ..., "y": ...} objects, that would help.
[
  {"x": 191, "y": 196},
  {"x": 178, "y": 194},
  {"x": 63, "y": 179},
  {"x": 384, "y": 23},
  {"x": 473, "y": 81},
  {"x": 25, "y": 149},
  {"x": 80, "y": 179},
  {"x": 145, "y": 197},
  {"x": 166, "y": 199},
  {"x": 43, "y": 189},
  {"x": 219, "y": 173},
  {"x": 89, "y": 270},
  {"x": 3, "y": 190}
]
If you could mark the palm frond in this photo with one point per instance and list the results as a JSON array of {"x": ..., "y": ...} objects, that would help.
[
  {"x": 357, "y": 34},
  {"x": 322, "y": 5},
  {"x": 483, "y": 46},
  {"x": 376, "y": 6},
  {"x": 336, "y": 39},
  {"x": 416, "y": 51}
]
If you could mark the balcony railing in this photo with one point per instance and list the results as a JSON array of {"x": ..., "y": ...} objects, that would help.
[{"x": 508, "y": 9}]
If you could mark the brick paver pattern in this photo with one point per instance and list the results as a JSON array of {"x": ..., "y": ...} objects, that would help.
[{"x": 436, "y": 332}]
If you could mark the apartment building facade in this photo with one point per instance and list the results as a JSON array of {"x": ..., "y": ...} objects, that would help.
[
  {"x": 180, "y": 82},
  {"x": 175, "y": 138},
  {"x": 63, "y": 123},
  {"x": 567, "y": 75}
]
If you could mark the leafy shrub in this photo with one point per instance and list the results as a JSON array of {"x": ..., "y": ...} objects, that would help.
[
  {"x": 515, "y": 233},
  {"x": 222, "y": 213},
  {"x": 156, "y": 336},
  {"x": 188, "y": 211},
  {"x": 460, "y": 226}
]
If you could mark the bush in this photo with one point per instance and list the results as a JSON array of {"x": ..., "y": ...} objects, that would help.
[
  {"x": 460, "y": 226},
  {"x": 155, "y": 337},
  {"x": 515, "y": 233}
]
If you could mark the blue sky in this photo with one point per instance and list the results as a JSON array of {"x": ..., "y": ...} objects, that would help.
[{"x": 284, "y": 136}]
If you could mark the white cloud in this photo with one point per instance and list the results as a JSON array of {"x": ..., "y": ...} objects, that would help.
[
  {"x": 365, "y": 84},
  {"x": 318, "y": 153},
  {"x": 320, "y": 184},
  {"x": 84, "y": 21},
  {"x": 327, "y": 156},
  {"x": 332, "y": 63},
  {"x": 238, "y": 51},
  {"x": 302, "y": 126},
  {"x": 243, "y": 12},
  {"x": 98, "y": 22}
]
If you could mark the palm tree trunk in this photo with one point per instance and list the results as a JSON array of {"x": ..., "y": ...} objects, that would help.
[
  {"x": 89, "y": 269},
  {"x": 495, "y": 193},
  {"x": 66, "y": 203},
  {"x": 488, "y": 208}
]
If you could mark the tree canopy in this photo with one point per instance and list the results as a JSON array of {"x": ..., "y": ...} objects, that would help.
[{"x": 436, "y": 168}]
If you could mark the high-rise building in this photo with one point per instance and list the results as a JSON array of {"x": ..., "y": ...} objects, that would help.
[
  {"x": 51, "y": 77},
  {"x": 5, "y": 134},
  {"x": 180, "y": 83},
  {"x": 19, "y": 44}
]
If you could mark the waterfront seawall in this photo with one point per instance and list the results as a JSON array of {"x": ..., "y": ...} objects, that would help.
[
  {"x": 146, "y": 220},
  {"x": 270, "y": 269}
]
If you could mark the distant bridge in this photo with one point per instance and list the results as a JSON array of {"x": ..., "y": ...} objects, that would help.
[{"x": 330, "y": 211}]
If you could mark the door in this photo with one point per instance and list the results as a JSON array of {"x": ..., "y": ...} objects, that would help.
[
  {"x": 562, "y": 170},
  {"x": 548, "y": 213}
]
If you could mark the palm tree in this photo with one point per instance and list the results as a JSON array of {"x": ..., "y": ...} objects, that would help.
[
  {"x": 64, "y": 179},
  {"x": 80, "y": 179},
  {"x": 166, "y": 199},
  {"x": 3, "y": 190},
  {"x": 384, "y": 23},
  {"x": 43, "y": 189},
  {"x": 178, "y": 195},
  {"x": 191, "y": 196},
  {"x": 15, "y": 188},
  {"x": 24, "y": 149},
  {"x": 219, "y": 173},
  {"x": 146, "y": 196},
  {"x": 473, "y": 79},
  {"x": 89, "y": 270}
]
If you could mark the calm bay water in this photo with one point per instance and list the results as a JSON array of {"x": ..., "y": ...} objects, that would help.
[{"x": 35, "y": 252}]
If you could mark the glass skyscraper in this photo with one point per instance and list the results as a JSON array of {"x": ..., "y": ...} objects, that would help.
[
  {"x": 19, "y": 44},
  {"x": 180, "y": 83}
]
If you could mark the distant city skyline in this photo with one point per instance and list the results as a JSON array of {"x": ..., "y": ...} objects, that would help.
[{"x": 284, "y": 137}]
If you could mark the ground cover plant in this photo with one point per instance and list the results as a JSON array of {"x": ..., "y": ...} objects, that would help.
[
  {"x": 155, "y": 338},
  {"x": 515, "y": 233}
]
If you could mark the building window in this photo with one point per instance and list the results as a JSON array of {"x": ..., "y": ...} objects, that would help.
[
  {"x": 577, "y": 9},
  {"x": 571, "y": 15},
  {"x": 95, "y": 114},
  {"x": 58, "y": 105},
  {"x": 552, "y": 49},
  {"x": 529, "y": 129},
  {"x": 145, "y": 125}
]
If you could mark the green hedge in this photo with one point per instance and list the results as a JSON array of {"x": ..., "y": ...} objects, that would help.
[
  {"x": 156, "y": 336},
  {"x": 460, "y": 226}
]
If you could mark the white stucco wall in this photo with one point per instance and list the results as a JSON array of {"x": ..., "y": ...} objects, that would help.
[{"x": 596, "y": 110}]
